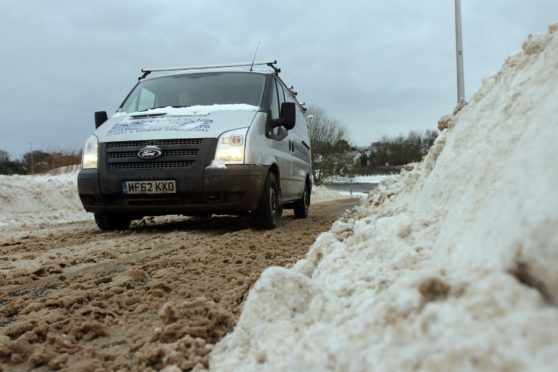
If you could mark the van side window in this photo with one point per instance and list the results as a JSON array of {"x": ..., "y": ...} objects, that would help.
[
  {"x": 290, "y": 98},
  {"x": 287, "y": 95},
  {"x": 274, "y": 102},
  {"x": 281, "y": 93},
  {"x": 277, "y": 133}
]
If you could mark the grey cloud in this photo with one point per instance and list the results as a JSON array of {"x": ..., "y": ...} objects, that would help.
[{"x": 379, "y": 67}]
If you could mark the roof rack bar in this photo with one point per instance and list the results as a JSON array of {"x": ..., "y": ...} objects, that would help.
[{"x": 147, "y": 71}]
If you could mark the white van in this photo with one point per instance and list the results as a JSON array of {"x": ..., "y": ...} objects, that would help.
[{"x": 226, "y": 139}]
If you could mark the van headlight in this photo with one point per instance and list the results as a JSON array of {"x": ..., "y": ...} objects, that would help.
[
  {"x": 230, "y": 147},
  {"x": 90, "y": 156}
]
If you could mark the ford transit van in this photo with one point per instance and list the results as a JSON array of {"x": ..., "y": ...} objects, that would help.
[{"x": 226, "y": 139}]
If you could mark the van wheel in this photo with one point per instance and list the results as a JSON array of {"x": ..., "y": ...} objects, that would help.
[
  {"x": 270, "y": 210},
  {"x": 301, "y": 206},
  {"x": 111, "y": 221}
]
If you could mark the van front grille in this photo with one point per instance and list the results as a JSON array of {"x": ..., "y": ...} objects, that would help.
[
  {"x": 153, "y": 165},
  {"x": 133, "y": 154},
  {"x": 165, "y": 142},
  {"x": 175, "y": 153}
]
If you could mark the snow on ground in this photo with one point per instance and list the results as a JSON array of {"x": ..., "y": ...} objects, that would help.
[
  {"x": 354, "y": 194},
  {"x": 374, "y": 178},
  {"x": 451, "y": 266},
  {"x": 40, "y": 199},
  {"x": 26, "y": 200},
  {"x": 322, "y": 193}
]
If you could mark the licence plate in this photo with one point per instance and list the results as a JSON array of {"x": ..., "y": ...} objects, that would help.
[{"x": 149, "y": 187}]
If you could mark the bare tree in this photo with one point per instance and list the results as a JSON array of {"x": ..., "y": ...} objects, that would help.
[
  {"x": 8, "y": 166},
  {"x": 328, "y": 140},
  {"x": 4, "y": 156},
  {"x": 400, "y": 150}
]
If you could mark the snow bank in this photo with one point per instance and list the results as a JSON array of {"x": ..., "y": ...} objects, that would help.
[
  {"x": 40, "y": 199},
  {"x": 322, "y": 193},
  {"x": 375, "y": 178},
  {"x": 54, "y": 199},
  {"x": 451, "y": 266}
]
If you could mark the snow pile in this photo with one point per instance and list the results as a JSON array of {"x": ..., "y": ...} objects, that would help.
[
  {"x": 40, "y": 199},
  {"x": 322, "y": 193},
  {"x": 375, "y": 178},
  {"x": 451, "y": 266},
  {"x": 54, "y": 199}
]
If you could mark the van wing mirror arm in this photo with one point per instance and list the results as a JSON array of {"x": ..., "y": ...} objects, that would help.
[{"x": 280, "y": 122}]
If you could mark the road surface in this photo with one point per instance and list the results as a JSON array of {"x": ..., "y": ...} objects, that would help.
[{"x": 159, "y": 294}]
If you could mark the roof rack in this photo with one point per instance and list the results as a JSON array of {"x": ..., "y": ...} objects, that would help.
[{"x": 147, "y": 71}]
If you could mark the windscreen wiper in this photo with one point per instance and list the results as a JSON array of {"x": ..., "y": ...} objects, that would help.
[{"x": 147, "y": 115}]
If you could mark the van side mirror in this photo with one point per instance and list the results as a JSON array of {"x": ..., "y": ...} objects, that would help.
[
  {"x": 100, "y": 118},
  {"x": 288, "y": 115}
]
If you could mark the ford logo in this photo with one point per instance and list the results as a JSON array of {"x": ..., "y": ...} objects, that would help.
[{"x": 150, "y": 152}]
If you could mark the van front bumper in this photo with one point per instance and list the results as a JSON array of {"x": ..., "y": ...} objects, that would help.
[{"x": 236, "y": 189}]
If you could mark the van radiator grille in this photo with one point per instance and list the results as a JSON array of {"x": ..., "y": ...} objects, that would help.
[
  {"x": 133, "y": 154},
  {"x": 166, "y": 142},
  {"x": 153, "y": 165},
  {"x": 175, "y": 153}
]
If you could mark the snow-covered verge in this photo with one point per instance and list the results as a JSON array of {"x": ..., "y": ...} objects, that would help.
[
  {"x": 40, "y": 199},
  {"x": 375, "y": 178},
  {"x": 451, "y": 266},
  {"x": 322, "y": 193},
  {"x": 26, "y": 200}
]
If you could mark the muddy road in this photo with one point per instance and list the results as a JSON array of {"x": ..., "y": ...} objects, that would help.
[{"x": 159, "y": 294}]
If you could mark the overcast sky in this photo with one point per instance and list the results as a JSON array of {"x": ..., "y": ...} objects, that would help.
[{"x": 379, "y": 67}]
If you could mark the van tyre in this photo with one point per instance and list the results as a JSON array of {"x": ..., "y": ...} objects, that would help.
[
  {"x": 270, "y": 210},
  {"x": 112, "y": 221},
  {"x": 303, "y": 204}
]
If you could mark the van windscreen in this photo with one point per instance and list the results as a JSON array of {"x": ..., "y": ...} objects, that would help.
[{"x": 202, "y": 89}]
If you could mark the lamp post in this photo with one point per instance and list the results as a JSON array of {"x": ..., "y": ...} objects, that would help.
[
  {"x": 459, "y": 52},
  {"x": 310, "y": 119}
]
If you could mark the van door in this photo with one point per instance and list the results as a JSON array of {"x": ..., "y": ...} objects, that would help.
[
  {"x": 281, "y": 144},
  {"x": 300, "y": 150}
]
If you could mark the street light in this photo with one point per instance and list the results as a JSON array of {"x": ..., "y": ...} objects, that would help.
[{"x": 459, "y": 52}]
